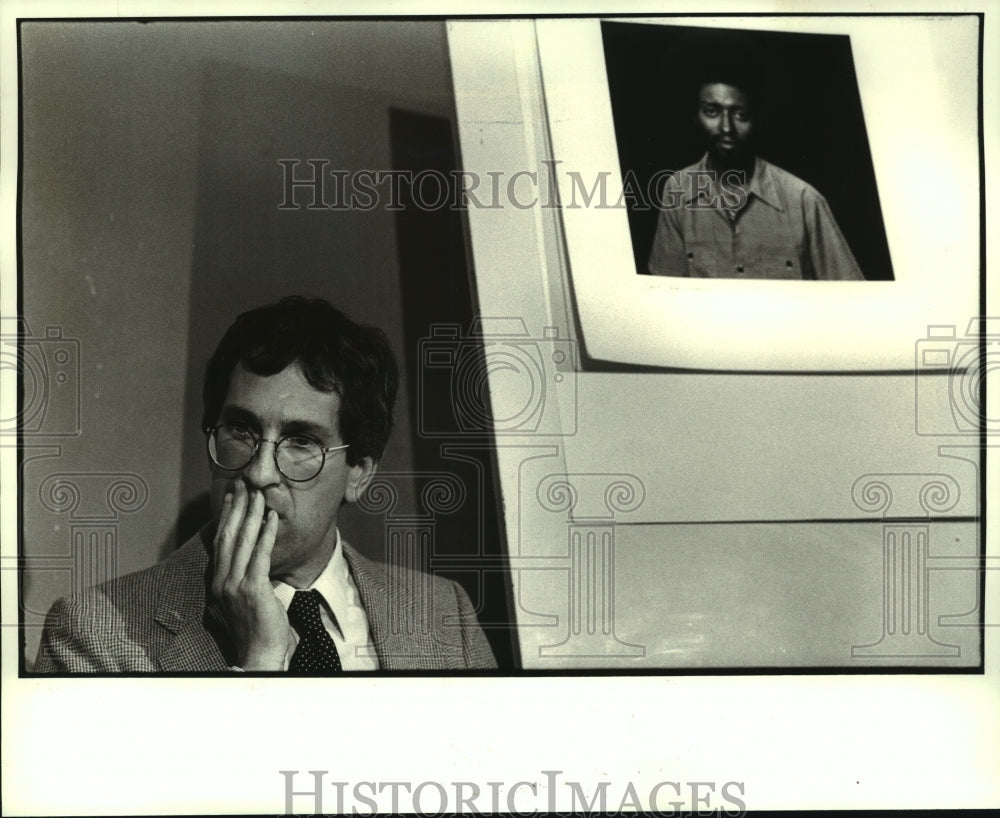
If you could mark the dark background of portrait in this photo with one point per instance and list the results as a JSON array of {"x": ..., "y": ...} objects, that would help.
[{"x": 808, "y": 121}]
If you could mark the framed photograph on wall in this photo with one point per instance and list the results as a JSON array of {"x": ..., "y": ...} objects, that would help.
[{"x": 842, "y": 94}]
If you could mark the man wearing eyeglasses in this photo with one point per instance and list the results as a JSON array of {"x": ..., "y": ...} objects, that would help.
[{"x": 297, "y": 411}]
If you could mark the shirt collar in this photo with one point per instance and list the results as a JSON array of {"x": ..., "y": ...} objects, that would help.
[
  {"x": 761, "y": 184},
  {"x": 332, "y": 583}
]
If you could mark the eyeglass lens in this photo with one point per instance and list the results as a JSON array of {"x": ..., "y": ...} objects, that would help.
[{"x": 297, "y": 457}]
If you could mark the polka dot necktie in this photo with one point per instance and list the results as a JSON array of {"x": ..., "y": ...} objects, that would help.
[{"x": 316, "y": 652}]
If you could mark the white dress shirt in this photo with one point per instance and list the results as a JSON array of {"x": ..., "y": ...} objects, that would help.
[{"x": 343, "y": 615}]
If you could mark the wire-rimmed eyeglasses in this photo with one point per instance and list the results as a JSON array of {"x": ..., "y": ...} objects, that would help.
[{"x": 298, "y": 457}]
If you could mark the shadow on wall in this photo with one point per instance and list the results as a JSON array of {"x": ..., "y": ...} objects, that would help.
[{"x": 193, "y": 515}]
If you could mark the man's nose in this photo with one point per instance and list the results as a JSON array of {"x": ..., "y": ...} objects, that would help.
[
  {"x": 726, "y": 122},
  {"x": 262, "y": 471}
]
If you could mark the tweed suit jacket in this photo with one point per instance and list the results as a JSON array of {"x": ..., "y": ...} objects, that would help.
[{"x": 161, "y": 620}]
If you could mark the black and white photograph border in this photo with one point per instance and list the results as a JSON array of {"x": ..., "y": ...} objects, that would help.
[
  {"x": 772, "y": 325},
  {"x": 528, "y": 744}
]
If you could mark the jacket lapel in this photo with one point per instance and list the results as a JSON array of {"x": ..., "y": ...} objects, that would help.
[
  {"x": 399, "y": 627},
  {"x": 193, "y": 633}
]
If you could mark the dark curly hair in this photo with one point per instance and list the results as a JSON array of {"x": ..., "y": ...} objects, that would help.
[{"x": 336, "y": 355}]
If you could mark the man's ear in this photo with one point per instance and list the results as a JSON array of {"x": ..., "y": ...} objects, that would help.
[{"x": 358, "y": 479}]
